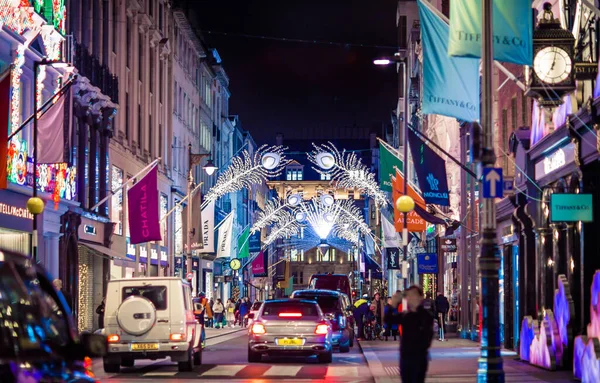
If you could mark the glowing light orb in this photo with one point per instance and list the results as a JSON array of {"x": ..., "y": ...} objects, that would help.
[
  {"x": 270, "y": 160},
  {"x": 325, "y": 160}
]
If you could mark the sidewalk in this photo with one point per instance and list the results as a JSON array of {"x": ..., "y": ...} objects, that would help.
[
  {"x": 216, "y": 332},
  {"x": 453, "y": 361}
]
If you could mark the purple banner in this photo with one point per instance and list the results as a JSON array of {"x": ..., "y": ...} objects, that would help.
[
  {"x": 259, "y": 265},
  {"x": 143, "y": 208}
]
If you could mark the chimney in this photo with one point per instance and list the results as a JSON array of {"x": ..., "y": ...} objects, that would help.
[{"x": 279, "y": 139}]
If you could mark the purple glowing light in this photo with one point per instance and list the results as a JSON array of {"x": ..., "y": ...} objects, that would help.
[
  {"x": 586, "y": 356},
  {"x": 528, "y": 327}
]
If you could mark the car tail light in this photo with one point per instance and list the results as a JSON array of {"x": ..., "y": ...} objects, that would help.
[
  {"x": 258, "y": 328},
  {"x": 113, "y": 338},
  {"x": 322, "y": 329},
  {"x": 290, "y": 315},
  {"x": 177, "y": 337}
]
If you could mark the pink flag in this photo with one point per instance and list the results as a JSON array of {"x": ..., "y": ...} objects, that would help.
[
  {"x": 143, "y": 208},
  {"x": 51, "y": 132},
  {"x": 258, "y": 265}
]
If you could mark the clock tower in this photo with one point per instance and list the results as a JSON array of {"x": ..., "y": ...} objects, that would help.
[{"x": 553, "y": 73}]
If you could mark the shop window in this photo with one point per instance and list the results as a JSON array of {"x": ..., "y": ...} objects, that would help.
[
  {"x": 117, "y": 200},
  {"x": 164, "y": 208},
  {"x": 325, "y": 177}
]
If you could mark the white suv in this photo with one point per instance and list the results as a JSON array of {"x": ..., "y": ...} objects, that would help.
[{"x": 151, "y": 318}]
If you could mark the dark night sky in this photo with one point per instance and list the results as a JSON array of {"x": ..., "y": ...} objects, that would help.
[{"x": 288, "y": 86}]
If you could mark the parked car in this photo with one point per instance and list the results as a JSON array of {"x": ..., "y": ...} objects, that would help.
[
  {"x": 38, "y": 337},
  {"x": 336, "y": 307},
  {"x": 254, "y": 310},
  {"x": 291, "y": 327},
  {"x": 151, "y": 318},
  {"x": 333, "y": 282}
]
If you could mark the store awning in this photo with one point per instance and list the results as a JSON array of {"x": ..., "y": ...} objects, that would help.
[{"x": 105, "y": 251}]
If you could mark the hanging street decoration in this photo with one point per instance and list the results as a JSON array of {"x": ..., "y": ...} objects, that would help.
[
  {"x": 247, "y": 170},
  {"x": 286, "y": 227},
  {"x": 346, "y": 171}
]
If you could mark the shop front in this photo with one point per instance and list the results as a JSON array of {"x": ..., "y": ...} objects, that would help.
[{"x": 15, "y": 222}]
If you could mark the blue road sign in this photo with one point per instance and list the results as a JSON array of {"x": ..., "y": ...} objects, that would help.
[{"x": 493, "y": 187}]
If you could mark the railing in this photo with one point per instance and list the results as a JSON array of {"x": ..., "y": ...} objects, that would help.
[{"x": 98, "y": 74}]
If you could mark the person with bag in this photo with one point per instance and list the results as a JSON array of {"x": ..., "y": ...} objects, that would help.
[
  {"x": 218, "y": 309},
  {"x": 230, "y": 314}
]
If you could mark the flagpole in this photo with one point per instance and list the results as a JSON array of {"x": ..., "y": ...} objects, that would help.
[
  {"x": 178, "y": 204},
  {"x": 113, "y": 192}
]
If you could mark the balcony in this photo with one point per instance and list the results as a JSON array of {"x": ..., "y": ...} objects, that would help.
[{"x": 99, "y": 75}]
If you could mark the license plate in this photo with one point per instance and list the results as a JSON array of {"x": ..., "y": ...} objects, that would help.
[
  {"x": 290, "y": 342},
  {"x": 144, "y": 346}
]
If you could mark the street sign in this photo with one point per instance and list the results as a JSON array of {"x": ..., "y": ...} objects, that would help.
[
  {"x": 509, "y": 185},
  {"x": 492, "y": 183},
  {"x": 449, "y": 245},
  {"x": 189, "y": 276}
]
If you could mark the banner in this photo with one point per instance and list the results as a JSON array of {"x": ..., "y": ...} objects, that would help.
[
  {"x": 259, "y": 265},
  {"x": 392, "y": 255},
  {"x": 51, "y": 132},
  {"x": 375, "y": 269},
  {"x": 415, "y": 222},
  {"x": 369, "y": 245},
  {"x": 388, "y": 162},
  {"x": 361, "y": 262},
  {"x": 243, "y": 245},
  {"x": 194, "y": 231},
  {"x": 224, "y": 241},
  {"x": 513, "y": 30},
  {"x": 450, "y": 84},
  {"x": 254, "y": 242},
  {"x": 4, "y": 125},
  {"x": 427, "y": 263},
  {"x": 208, "y": 228},
  {"x": 391, "y": 238},
  {"x": 431, "y": 171},
  {"x": 448, "y": 245},
  {"x": 143, "y": 209}
]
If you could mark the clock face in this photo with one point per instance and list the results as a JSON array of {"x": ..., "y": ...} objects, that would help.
[
  {"x": 235, "y": 264},
  {"x": 552, "y": 65}
]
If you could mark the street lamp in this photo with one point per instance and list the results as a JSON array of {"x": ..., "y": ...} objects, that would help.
[
  {"x": 210, "y": 167},
  {"x": 35, "y": 205}
]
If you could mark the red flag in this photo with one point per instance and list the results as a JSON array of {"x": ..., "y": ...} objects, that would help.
[
  {"x": 4, "y": 118},
  {"x": 415, "y": 222},
  {"x": 143, "y": 208}
]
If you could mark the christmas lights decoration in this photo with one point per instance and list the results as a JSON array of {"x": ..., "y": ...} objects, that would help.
[
  {"x": 346, "y": 170},
  {"x": 15, "y": 80},
  {"x": 286, "y": 227},
  {"x": 52, "y": 43},
  {"x": 351, "y": 217},
  {"x": 16, "y": 15},
  {"x": 39, "y": 97},
  {"x": 321, "y": 216},
  {"x": 247, "y": 170},
  {"x": 271, "y": 214}
]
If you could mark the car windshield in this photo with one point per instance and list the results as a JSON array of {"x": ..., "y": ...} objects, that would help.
[
  {"x": 296, "y": 309},
  {"x": 330, "y": 283},
  {"x": 328, "y": 303},
  {"x": 155, "y": 294},
  {"x": 256, "y": 306}
]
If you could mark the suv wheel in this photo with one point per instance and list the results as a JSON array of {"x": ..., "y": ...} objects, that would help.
[
  {"x": 326, "y": 358},
  {"x": 114, "y": 368},
  {"x": 187, "y": 365},
  {"x": 253, "y": 356}
]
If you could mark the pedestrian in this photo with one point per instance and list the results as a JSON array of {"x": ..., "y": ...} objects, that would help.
[
  {"x": 378, "y": 306},
  {"x": 210, "y": 322},
  {"x": 417, "y": 326},
  {"x": 443, "y": 306},
  {"x": 230, "y": 315},
  {"x": 100, "y": 311},
  {"x": 360, "y": 311},
  {"x": 391, "y": 328},
  {"x": 218, "y": 309},
  {"x": 58, "y": 285},
  {"x": 237, "y": 311},
  {"x": 244, "y": 310}
]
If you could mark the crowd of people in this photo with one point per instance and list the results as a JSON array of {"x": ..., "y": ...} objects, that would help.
[{"x": 218, "y": 314}]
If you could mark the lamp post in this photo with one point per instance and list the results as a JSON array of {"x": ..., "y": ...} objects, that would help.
[
  {"x": 35, "y": 205},
  {"x": 209, "y": 168},
  {"x": 405, "y": 203}
]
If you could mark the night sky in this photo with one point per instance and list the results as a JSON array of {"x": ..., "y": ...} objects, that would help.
[{"x": 280, "y": 86}]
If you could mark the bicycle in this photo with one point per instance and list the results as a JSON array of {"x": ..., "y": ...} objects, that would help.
[{"x": 373, "y": 331}]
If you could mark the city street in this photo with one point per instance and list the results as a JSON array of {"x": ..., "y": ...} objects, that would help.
[{"x": 225, "y": 360}]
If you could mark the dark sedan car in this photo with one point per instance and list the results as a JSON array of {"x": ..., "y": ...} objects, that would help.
[
  {"x": 38, "y": 340},
  {"x": 335, "y": 306}
]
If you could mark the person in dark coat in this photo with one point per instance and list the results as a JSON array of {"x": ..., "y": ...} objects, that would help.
[
  {"x": 442, "y": 307},
  {"x": 391, "y": 328},
  {"x": 417, "y": 334},
  {"x": 100, "y": 311},
  {"x": 360, "y": 310},
  {"x": 244, "y": 310}
]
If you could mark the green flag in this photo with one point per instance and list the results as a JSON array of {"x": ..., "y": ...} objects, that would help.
[
  {"x": 387, "y": 164},
  {"x": 244, "y": 244}
]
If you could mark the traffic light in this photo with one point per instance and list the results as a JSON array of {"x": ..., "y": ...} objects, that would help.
[{"x": 476, "y": 142}]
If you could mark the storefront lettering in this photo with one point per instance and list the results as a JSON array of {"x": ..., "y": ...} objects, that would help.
[
  {"x": 144, "y": 211},
  {"x": 555, "y": 161},
  {"x": 14, "y": 211}
]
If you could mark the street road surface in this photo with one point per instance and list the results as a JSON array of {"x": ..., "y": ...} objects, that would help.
[{"x": 225, "y": 360}]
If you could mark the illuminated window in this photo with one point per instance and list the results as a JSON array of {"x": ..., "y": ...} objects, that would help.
[
  {"x": 294, "y": 175},
  {"x": 325, "y": 257},
  {"x": 325, "y": 177},
  {"x": 164, "y": 208},
  {"x": 117, "y": 200},
  {"x": 297, "y": 255}
]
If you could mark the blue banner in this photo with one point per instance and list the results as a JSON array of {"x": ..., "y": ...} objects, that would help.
[
  {"x": 513, "y": 30},
  {"x": 450, "y": 84},
  {"x": 254, "y": 242},
  {"x": 431, "y": 171},
  {"x": 427, "y": 263}
]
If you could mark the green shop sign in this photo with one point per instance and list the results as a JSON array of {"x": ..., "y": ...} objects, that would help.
[{"x": 571, "y": 208}]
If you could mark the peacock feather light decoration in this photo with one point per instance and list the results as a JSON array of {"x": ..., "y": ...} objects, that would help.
[
  {"x": 287, "y": 226},
  {"x": 247, "y": 170},
  {"x": 346, "y": 171}
]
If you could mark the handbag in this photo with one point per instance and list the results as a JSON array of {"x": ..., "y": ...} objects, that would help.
[{"x": 230, "y": 309}]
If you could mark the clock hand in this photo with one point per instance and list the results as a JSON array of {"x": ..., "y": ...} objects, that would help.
[{"x": 553, "y": 62}]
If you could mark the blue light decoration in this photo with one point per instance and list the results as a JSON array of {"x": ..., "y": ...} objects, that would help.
[
  {"x": 586, "y": 358},
  {"x": 544, "y": 345}
]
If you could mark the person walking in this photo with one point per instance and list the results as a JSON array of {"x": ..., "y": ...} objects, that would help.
[
  {"x": 244, "y": 310},
  {"x": 100, "y": 311},
  {"x": 360, "y": 310},
  {"x": 391, "y": 328},
  {"x": 237, "y": 311},
  {"x": 378, "y": 307},
  {"x": 417, "y": 334},
  {"x": 442, "y": 307},
  {"x": 209, "y": 314},
  {"x": 218, "y": 309},
  {"x": 230, "y": 314}
]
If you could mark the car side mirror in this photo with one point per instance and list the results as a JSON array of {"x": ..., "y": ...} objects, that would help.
[
  {"x": 250, "y": 315},
  {"x": 94, "y": 345}
]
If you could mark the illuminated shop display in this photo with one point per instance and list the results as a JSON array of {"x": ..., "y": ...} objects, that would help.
[
  {"x": 15, "y": 93},
  {"x": 17, "y": 18},
  {"x": 39, "y": 97},
  {"x": 17, "y": 161}
]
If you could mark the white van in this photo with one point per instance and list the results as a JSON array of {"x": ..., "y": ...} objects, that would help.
[{"x": 151, "y": 318}]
